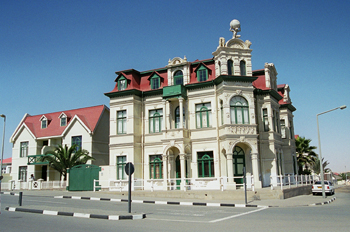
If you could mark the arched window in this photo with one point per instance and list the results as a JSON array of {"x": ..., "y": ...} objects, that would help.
[
  {"x": 239, "y": 110},
  {"x": 219, "y": 64},
  {"x": 155, "y": 167},
  {"x": 230, "y": 67},
  {"x": 178, "y": 78},
  {"x": 238, "y": 160},
  {"x": 202, "y": 74},
  {"x": 205, "y": 164},
  {"x": 177, "y": 117},
  {"x": 155, "y": 120},
  {"x": 203, "y": 115},
  {"x": 243, "y": 68},
  {"x": 122, "y": 83}
]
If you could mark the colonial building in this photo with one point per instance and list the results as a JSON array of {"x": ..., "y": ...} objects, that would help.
[
  {"x": 35, "y": 135},
  {"x": 198, "y": 125}
]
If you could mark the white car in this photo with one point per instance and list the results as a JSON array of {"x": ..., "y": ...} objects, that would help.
[{"x": 328, "y": 187}]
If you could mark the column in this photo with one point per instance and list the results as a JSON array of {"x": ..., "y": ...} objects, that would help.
[
  {"x": 255, "y": 170},
  {"x": 165, "y": 172},
  {"x": 183, "y": 170},
  {"x": 165, "y": 125},
  {"x": 181, "y": 112},
  {"x": 230, "y": 180}
]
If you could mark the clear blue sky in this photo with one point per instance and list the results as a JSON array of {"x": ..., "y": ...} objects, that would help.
[{"x": 60, "y": 55}]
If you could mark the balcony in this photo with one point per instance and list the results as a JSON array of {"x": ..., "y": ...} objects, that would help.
[
  {"x": 36, "y": 160},
  {"x": 174, "y": 91}
]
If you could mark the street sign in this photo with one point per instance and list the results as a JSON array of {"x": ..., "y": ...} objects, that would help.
[{"x": 129, "y": 168}]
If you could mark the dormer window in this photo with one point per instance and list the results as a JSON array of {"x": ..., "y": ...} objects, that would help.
[
  {"x": 202, "y": 73},
  {"x": 44, "y": 122},
  {"x": 155, "y": 82},
  {"x": 122, "y": 83},
  {"x": 63, "y": 121}
]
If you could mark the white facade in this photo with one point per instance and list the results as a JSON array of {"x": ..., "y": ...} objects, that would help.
[
  {"x": 31, "y": 140},
  {"x": 222, "y": 116}
]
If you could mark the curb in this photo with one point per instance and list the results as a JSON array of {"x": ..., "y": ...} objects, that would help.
[
  {"x": 162, "y": 202},
  {"x": 80, "y": 215},
  {"x": 10, "y": 193},
  {"x": 324, "y": 203}
]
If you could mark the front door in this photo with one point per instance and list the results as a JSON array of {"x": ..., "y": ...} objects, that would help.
[
  {"x": 238, "y": 159},
  {"x": 178, "y": 172},
  {"x": 44, "y": 172}
]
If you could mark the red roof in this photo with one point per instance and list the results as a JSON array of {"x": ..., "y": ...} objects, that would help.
[
  {"x": 7, "y": 161},
  {"x": 89, "y": 116}
]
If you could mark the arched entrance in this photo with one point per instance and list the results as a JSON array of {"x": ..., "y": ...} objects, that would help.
[{"x": 238, "y": 159}]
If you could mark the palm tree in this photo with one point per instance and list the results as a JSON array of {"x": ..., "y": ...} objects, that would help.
[
  {"x": 316, "y": 166},
  {"x": 63, "y": 158},
  {"x": 305, "y": 154}
]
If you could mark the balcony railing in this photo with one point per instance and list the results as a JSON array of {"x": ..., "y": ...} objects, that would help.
[{"x": 36, "y": 159}]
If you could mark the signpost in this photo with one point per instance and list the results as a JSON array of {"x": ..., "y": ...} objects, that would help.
[{"x": 129, "y": 170}]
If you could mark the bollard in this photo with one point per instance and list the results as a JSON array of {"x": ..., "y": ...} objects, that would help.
[{"x": 20, "y": 198}]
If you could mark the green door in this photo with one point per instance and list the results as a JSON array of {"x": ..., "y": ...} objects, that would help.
[
  {"x": 178, "y": 173},
  {"x": 238, "y": 159},
  {"x": 81, "y": 177}
]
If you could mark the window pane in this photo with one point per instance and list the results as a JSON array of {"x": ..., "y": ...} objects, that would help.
[
  {"x": 245, "y": 115},
  {"x": 239, "y": 115}
]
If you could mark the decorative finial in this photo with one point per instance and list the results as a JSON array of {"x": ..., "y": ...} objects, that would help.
[{"x": 235, "y": 26}]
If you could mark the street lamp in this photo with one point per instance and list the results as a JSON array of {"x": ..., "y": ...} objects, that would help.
[
  {"x": 319, "y": 147},
  {"x": 2, "y": 152}
]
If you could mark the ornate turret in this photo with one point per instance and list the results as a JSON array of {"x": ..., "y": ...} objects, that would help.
[{"x": 233, "y": 57}]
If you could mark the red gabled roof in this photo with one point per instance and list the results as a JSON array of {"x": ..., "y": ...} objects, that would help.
[
  {"x": 89, "y": 116},
  {"x": 7, "y": 161}
]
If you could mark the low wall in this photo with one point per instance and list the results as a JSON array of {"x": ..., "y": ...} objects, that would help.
[{"x": 292, "y": 192}]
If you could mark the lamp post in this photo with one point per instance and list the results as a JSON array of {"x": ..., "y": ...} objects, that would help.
[
  {"x": 2, "y": 152},
  {"x": 2, "y": 155},
  {"x": 319, "y": 148}
]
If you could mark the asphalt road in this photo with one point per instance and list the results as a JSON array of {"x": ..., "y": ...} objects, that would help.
[{"x": 331, "y": 217}]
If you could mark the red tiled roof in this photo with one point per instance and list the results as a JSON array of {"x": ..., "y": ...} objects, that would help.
[
  {"x": 89, "y": 116},
  {"x": 7, "y": 161}
]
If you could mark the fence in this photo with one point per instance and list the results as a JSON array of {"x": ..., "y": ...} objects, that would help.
[
  {"x": 292, "y": 180},
  {"x": 211, "y": 183},
  {"x": 33, "y": 185}
]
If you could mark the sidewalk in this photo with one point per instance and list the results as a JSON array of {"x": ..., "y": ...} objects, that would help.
[
  {"x": 109, "y": 211},
  {"x": 302, "y": 200}
]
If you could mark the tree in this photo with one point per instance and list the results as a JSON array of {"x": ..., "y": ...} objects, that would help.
[
  {"x": 305, "y": 154},
  {"x": 316, "y": 166},
  {"x": 63, "y": 158}
]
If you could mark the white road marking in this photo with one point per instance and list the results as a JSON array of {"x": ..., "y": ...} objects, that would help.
[
  {"x": 48, "y": 202},
  {"x": 237, "y": 215}
]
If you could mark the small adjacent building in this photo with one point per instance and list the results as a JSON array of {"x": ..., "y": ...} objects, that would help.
[
  {"x": 200, "y": 123},
  {"x": 35, "y": 135},
  {"x": 6, "y": 166}
]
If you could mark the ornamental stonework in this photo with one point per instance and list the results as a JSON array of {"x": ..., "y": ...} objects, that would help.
[{"x": 243, "y": 130}]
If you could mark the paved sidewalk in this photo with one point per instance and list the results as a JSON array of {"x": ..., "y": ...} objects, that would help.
[
  {"x": 110, "y": 212},
  {"x": 302, "y": 200}
]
